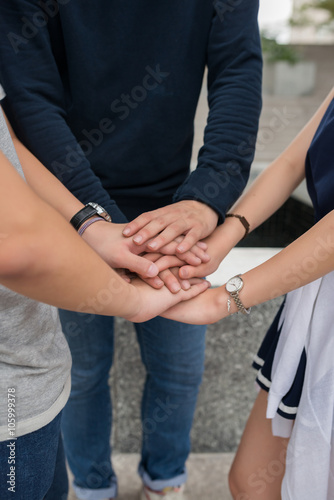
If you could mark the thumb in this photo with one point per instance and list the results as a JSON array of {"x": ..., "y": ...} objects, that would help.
[
  {"x": 186, "y": 272},
  {"x": 142, "y": 266}
]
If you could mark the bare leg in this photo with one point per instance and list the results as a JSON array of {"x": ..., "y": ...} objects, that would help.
[{"x": 259, "y": 465}]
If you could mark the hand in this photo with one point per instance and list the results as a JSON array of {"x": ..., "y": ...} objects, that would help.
[
  {"x": 219, "y": 244},
  {"x": 195, "y": 256},
  {"x": 204, "y": 309},
  {"x": 119, "y": 252},
  {"x": 217, "y": 253},
  {"x": 154, "y": 302},
  {"x": 192, "y": 218},
  {"x": 165, "y": 277}
]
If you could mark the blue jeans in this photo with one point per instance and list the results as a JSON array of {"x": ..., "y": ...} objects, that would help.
[
  {"x": 173, "y": 354},
  {"x": 40, "y": 471}
]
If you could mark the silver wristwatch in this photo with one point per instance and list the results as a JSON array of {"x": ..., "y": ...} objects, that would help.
[
  {"x": 233, "y": 287},
  {"x": 88, "y": 211},
  {"x": 100, "y": 211}
]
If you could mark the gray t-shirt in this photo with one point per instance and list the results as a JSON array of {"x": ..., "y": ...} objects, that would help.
[{"x": 35, "y": 359}]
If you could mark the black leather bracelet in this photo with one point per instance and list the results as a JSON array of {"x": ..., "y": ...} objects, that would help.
[
  {"x": 80, "y": 217},
  {"x": 243, "y": 221}
]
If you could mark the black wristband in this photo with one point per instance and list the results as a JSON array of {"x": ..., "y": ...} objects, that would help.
[
  {"x": 243, "y": 221},
  {"x": 80, "y": 217}
]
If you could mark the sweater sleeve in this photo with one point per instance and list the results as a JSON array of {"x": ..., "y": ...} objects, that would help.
[
  {"x": 35, "y": 102},
  {"x": 234, "y": 63}
]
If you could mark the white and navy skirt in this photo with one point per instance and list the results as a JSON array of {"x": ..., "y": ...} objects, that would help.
[{"x": 263, "y": 362}]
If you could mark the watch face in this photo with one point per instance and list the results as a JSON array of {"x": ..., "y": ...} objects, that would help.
[{"x": 234, "y": 284}]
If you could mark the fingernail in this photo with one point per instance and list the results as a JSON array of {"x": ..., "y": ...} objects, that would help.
[
  {"x": 153, "y": 245},
  {"x": 197, "y": 260},
  {"x": 152, "y": 271},
  {"x": 183, "y": 273},
  {"x": 126, "y": 231},
  {"x": 180, "y": 248},
  {"x": 176, "y": 287},
  {"x": 138, "y": 239},
  {"x": 158, "y": 282},
  {"x": 185, "y": 285}
]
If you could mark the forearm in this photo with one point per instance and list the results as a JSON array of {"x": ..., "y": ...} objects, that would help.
[
  {"x": 234, "y": 96},
  {"x": 41, "y": 256},
  {"x": 39, "y": 116},
  {"x": 306, "y": 259},
  {"x": 43, "y": 183},
  {"x": 272, "y": 188}
]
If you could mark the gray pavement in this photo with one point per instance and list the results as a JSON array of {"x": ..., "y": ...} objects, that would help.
[{"x": 227, "y": 392}]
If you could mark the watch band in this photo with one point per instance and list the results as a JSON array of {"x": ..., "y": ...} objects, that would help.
[
  {"x": 88, "y": 223},
  {"x": 100, "y": 211},
  {"x": 243, "y": 221},
  {"x": 239, "y": 304},
  {"x": 80, "y": 217}
]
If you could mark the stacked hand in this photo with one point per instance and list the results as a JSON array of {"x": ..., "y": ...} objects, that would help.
[{"x": 163, "y": 248}]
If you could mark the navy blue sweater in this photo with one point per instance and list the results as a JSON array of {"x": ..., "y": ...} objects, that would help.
[{"x": 104, "y": 93}]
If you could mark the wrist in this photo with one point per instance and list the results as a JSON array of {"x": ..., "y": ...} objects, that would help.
[
  {"x": 88, "y": 223},
  {"x": 96, "y": 233},
  {"x": 221, "y": 302},
  {"x": 224, "y": 238}
]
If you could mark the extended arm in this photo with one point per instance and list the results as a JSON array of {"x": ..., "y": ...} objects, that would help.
[
  {"x": 31, "y": 78},
  {"x": 106, "y": 239},
  {"x": 306, "y": 259},
  {"x": 266, "y": 195},
  {"x": 234, "y": 96},
  {"x": 41, "y": 256}
]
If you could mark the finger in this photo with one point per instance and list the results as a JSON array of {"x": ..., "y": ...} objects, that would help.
[
  {"x": 142, "y": 266},
  {"x": 168, "y": 234},
  {"x": 190, "y": 239},
  {"x": 198, "y": 253},
  {"x": 196, "y": 288},
  {"x": 168, "y": 261},
  {"x": 194, "y": 256},
  {"x": 137, "y": 223},
  {"x": 185, "y": 284},
  {"x": 152, "y": 256},
  {"x": 195, "y": 281},
  {"x": 153, "y": 228},
  {"x": 172, "y": 282},
  {"x": 125, "y": 277},
  {"x": 202, "y": 245},
  {"x": 187, "y": 272},
  {"x": 153, "y": 282}
]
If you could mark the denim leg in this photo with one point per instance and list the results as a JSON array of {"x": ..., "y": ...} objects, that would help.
[
  {"x": 35, "y": 456},
  {"x": 173, "y": 354},
  {"x": 59, "y": 487},
  {"x": 86, "y": 422}
]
